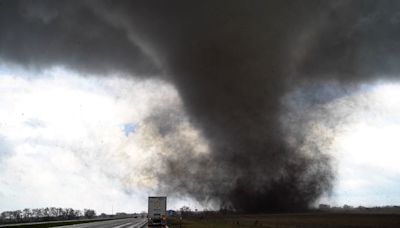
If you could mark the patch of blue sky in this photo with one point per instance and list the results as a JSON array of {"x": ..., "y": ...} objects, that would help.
[{"x": 129, "y": 128}]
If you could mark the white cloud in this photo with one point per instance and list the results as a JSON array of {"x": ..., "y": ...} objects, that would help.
[
  {"x": 360, "y": 131},
  {"x": 369, "y": 150},
  {"x": 65, "y": 141}
]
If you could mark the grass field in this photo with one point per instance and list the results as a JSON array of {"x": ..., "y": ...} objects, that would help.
[{"x": 289, "y": 220}]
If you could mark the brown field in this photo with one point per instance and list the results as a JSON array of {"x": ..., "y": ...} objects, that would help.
[{"x": 289, "y": 220}]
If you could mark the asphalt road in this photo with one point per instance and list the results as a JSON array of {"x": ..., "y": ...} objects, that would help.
[{"x": 118, "y": 223}]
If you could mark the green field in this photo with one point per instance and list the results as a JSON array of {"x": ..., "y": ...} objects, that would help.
[{"x": 289, "y": 220}]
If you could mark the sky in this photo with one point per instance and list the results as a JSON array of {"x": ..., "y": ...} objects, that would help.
[
  {"x": 359, "y": 130},
  {"x": 80, "y": 142}
]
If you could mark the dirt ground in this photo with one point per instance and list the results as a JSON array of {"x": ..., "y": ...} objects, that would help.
[{"x": 289, "y": 220}]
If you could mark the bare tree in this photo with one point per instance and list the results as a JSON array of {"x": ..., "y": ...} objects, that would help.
[
  {"x": 88, "y": 213},
  {"x": 44, "y": 214},
  {"x": 26, "y": 214}
]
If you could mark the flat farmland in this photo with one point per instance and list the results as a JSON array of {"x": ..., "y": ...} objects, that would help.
[{"x": 289, "y": 220}]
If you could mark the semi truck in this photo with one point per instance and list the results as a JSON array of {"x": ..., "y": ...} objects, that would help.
[{"x": 157, "y": 213}]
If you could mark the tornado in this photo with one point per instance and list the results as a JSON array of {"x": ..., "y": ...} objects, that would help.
[{"x": 232, "y": 63}]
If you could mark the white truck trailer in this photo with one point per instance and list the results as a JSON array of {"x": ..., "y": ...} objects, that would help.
[{"x": 157, "y": 214}]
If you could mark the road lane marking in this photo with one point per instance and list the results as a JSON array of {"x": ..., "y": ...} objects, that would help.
[
  {"x": 139, "y": 224},
  {"x": 122, "y": 225}
]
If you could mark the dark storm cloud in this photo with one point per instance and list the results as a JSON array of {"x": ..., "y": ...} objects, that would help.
[
  {"x": 44, "y": 33},
  {"x": 232, "y": 62}
]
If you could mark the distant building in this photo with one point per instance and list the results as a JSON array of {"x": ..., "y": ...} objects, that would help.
[
  {"x": 171, "y": 212},
  {"x": 347, "y": 207},
  {"x": 324, "y": 206},
  {"x": 121, "y": 214}
]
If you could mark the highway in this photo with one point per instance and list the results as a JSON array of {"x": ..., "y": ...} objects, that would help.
[{"x": 118, "y": 223}]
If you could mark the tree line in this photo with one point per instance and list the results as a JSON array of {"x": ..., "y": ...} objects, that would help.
[{"x": 44, "y": 214}]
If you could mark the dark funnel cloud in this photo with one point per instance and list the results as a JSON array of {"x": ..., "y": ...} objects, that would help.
[{"x": 232, "y": 62}]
